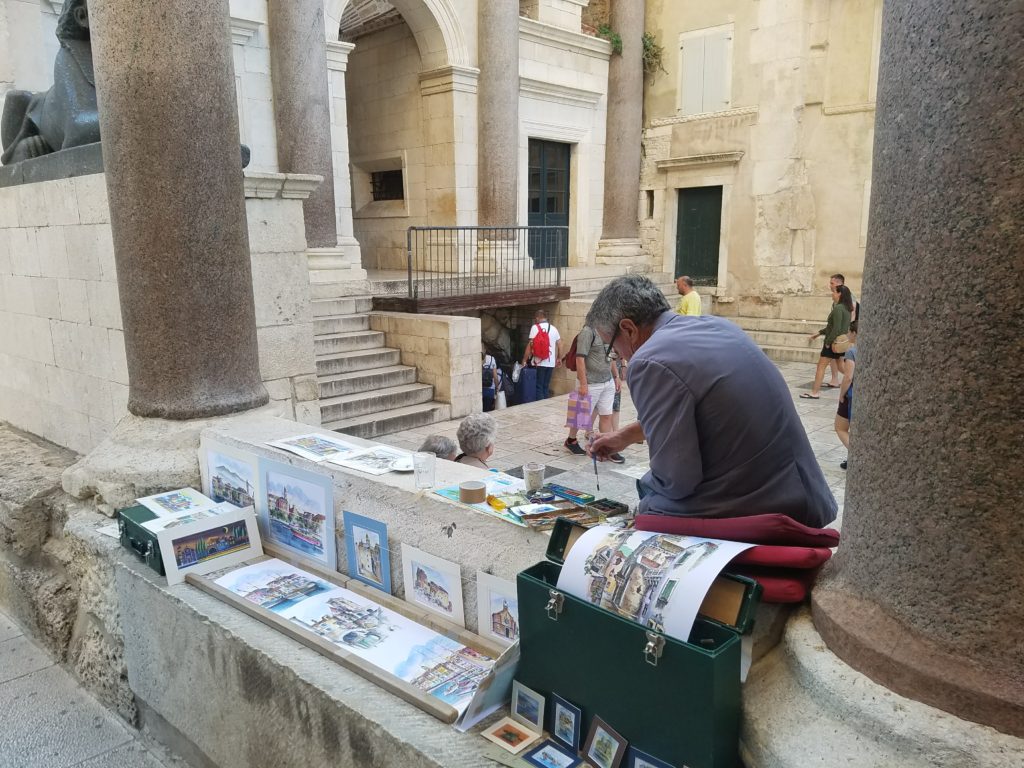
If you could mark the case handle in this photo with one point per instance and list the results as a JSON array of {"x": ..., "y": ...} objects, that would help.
[
  {"x": 555, "y": 603},
  {"x": 654, "y": 648},
  {"x": 143, "y": 549}
]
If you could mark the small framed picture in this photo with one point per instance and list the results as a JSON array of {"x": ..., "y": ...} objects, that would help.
[
  {"x": 510, "y": 735},
  {"x": 296, "y": 509},
  {"x": 551, "y": 755},
  {"x": 637, "y": 759},
  {"x": 497, "y": 605},
  {"x": 434, "y": 583},
  {"x": 229, "y": 475},
  {"x": 177, "y": 502},
  {"x": 566, "y": 722},
  {"x": 527, "y": 707},
  {"x": 209, "y": 544},
  {"x": 366, "y": 545},
  {"x": 605, "y": 748}
]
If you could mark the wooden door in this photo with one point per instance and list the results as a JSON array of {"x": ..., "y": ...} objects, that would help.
[{"x": 698, "y": 234}]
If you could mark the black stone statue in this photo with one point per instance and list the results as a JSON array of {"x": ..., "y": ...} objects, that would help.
[{"x": 65, "y": 116}]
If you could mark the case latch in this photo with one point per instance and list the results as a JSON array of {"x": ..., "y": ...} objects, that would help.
[
  {"x": 554, "y": 606},
  {"x": 653, "y": 649}
]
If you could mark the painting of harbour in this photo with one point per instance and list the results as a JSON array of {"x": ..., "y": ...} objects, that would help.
[
  {"x": 297, "y": 511},
  {"x": 231, "y": 480},
  {"x": 274, "y": 585}
]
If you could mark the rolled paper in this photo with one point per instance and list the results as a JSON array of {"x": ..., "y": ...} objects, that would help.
[{"x": 472, "y": 492}]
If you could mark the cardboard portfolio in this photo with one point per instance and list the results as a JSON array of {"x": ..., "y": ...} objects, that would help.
[{"x": 678, "y": 701}]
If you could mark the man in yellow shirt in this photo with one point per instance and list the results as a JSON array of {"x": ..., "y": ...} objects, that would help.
[{"x": 689, "y": 304}]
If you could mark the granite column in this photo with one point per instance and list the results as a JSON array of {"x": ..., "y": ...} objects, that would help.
[
  {"x": 620, "y": 232},
  {"x": 498, "y": 114},
  {"x": 925, "y": 593},
  {"x": 169, "y": 120},
  {"x": 298, "y": 66}
]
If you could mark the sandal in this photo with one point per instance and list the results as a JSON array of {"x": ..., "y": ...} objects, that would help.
[
  {"x": 833, "y": 386},
  {"x": 808, "y": 396}
]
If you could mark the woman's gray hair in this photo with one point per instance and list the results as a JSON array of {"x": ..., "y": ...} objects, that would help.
[
  {"x": 476, "y": 432},
  {"x": 631, "y": 297},
  {"x": 439, "y": 445}
]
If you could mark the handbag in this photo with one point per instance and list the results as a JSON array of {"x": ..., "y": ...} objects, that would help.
[
  {"x": 579, "y": 413},
  {"x": 516, "y": 370},
  {"x": 841, "y": 344},
  {"x": 500, "y": 401}
]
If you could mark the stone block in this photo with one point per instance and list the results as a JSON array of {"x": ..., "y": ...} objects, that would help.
[
  {"x": 8, "y": 207},
  {"x": 280, "y": 284},
  {"x": 74, "y": 300},
  {"x": 275, "y": 225},
  {"x": 91, "y": 191},
  {"x": 23, "y": 251},
  {"x": 279, "y": 389},
  {"x": 45, "y": 297},
  {"x": 104, "y": 304},
  {"x": 286, "y": 351},
  {"x": 32, "y": 206},
  {"x": 52, "y": 250},
  {"x": 118, "y": 400},
  {"x": 308, "y": 413},
  {"x": 20, "y": 299},
  {"x": 5, "y": 253},
  {"x": 84, "y": 242},
  {"x": 306, "y": 389},
  {"x": 61, "y": 202}
]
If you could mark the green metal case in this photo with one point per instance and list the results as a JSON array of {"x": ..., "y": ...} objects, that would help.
[
  {"x": 677, "y": 701},
  {"x": 138, "y": 540}
]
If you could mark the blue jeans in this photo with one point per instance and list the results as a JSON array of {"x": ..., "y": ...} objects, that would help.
[{"x": 543, "y": 381}]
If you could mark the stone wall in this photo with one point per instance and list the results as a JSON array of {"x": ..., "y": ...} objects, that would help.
[
  {"x": 445, "y": 351},
  {"x": 565, "y": 14},
  {"x": 61, "y": 342}
]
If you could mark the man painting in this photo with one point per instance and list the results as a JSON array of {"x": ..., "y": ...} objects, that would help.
[
  {"x": 725, "y": 439},
  {"x": 689, "y": 302}
]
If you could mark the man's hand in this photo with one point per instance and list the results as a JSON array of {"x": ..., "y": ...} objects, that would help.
[
  {"x": 605, "y": 444},
  {"x": 582, "y": 388},
  {"x": 618, "y": 385}
]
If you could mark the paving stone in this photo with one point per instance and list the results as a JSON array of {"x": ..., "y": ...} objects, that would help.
[
  {"x": 18, "y": 657},
  {"x": 49, "y": 722},
  {"x": 132, "y": 755},
  {"x": 8, "y": 628}
]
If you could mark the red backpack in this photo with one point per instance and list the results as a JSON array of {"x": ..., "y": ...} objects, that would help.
[
  {"x": 570, "y": 357},
  {"x": 542, "y": 343}
]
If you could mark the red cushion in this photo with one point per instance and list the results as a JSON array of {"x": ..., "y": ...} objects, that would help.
[
  {"x": 783, "y": 557},
  {"x": 780, "y": 586},
  {"x": 756, "y": 529}
]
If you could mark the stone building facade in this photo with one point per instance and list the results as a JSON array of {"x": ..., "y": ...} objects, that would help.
[{"x": 758, "y": 134}]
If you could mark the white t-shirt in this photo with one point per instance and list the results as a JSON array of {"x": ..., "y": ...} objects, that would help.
[{"x": 554, "y": 339}]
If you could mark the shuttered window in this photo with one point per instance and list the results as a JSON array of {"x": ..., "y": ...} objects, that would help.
[{"x": 705, "y": 66}]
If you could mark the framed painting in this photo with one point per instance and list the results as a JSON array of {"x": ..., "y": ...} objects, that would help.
[{"x": 367, "y": 551}]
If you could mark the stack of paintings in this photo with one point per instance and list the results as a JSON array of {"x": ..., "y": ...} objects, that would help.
[{"x": 433, "y": 663}]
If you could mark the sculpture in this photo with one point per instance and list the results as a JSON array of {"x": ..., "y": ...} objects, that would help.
[{"x": 65, "y": 116}]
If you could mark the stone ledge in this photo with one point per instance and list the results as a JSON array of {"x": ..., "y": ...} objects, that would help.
[{"x": 77, "y": 161}]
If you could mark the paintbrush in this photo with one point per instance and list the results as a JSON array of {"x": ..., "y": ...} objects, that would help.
[{"x": 597, "y": 478}]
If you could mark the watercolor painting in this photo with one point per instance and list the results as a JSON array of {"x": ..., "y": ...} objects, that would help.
[
  {"x": 497, "y": 603},
  {"x": 176, "y": 502},
  {"x": 509, "y": 735},
  {"x": 298, "y": 511},
  {"x": 366, "y": 547},
  {"x": 315, "y": 447},
  {"x": 209, "y": 544},
  {"x": 274, "y": 585},
  {"x": 374, "y": 461},
  {"x": 434, "y": 583},
  {"x": 527, "y": 707},
  {"x": 550, "y": 755},
  {"x": 566, "y": 722},
  {"x": 637, "y": 759},
  {"x": 605, "y": 747},
  {"x": 231, "y": 479}
]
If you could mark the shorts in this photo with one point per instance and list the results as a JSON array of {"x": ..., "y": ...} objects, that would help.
[
  {"x": 602, "y": 395},
  {"x": 843, "y": 411},
  {"x": 826, "y": 351}
]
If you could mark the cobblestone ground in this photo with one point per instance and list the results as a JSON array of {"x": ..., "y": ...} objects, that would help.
[{"x": 534, "y": 432}]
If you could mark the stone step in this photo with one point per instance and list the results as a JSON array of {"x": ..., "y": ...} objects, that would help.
[
  {"x": 792, "y": 354},
  {"x": 804, "y": 327},
  {"x": 360, "y": 360},
  {"x": 338, "y": 290},
  {"x": 366, "y": 381},
  {"x": 397, "y": 420},
  {"x": 347, "y": 306},
  {"x": 794, "y": 340},
  {"x": 367, "y": 403},
  {"x": 347, "y": 342},
  {"x": 332, "y": 324}
]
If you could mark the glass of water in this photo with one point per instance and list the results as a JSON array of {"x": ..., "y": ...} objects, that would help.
[{"x": 423, "y": 465}]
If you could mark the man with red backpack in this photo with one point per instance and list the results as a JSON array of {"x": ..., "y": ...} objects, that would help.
[{"x": 544, "y": 351}]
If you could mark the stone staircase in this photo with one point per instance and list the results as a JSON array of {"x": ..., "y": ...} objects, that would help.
[
  {"x": 784, "y": 341},
  {"x": 364, "y": 389}
]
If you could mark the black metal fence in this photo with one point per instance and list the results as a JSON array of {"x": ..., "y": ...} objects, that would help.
[{"x": 461, "y": 261}]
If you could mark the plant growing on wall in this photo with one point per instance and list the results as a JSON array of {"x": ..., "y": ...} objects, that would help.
[
  {"x": 612, "y": 37},
  {"x": 652, "y": 55}
]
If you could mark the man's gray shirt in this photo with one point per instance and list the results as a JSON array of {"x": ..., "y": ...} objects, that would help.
[
  {"x": 725, "y": 439},
  {"x": 590, "y": 348}
]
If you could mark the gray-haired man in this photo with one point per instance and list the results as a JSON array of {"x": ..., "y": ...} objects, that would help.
[{"x": 725, "y": 439}]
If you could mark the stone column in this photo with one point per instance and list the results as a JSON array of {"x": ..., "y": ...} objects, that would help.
[
  {"x": 620, "y": 233},
  {"x": 925, "y": 593},
  {"x": 498, "y": 114},
  {"x": 169, "y": 122},
  {"x": 298, "y": 67}
]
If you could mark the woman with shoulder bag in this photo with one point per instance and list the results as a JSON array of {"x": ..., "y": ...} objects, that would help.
[{"x": 836, "y": 331}]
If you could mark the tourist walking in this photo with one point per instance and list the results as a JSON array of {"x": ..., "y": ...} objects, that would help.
[
  {"x": 836, "y": 374},
  {"x": 724, "y": 436},
  {"x": 544, "y": 351},
  {"x": 838, "y": 324},
  {"x": 596, "y": 377},
  {"x": 844, "y": 414},
  {"x": 689, "y": 302},
  {"x": 489, "y": 381}
]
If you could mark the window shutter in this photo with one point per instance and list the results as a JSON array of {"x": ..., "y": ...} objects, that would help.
[
  {"x": 692, "y": 76},
  {"x": 717, "y": 71}
]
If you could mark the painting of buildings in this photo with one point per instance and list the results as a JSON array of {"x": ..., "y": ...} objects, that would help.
[
  {"x": 431, "y": 587},
  {"x": 297, "y": 512},
  {"x": 368, "y": 554},
  {"x": 207, "y": 545},
  {"x": 503, "y": 622},
  {"x": 231, "y": 480},
  {"x": 351, "y": 624},
  {"x": 456, "y": 676},
  {"x": 273, "y": 584}
]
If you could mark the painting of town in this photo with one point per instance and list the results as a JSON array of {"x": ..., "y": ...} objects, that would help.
[
  {"x": 654, "y": 579},
  {"x": 232, "y": 480},
  {"x": 175, "y": 502},
  {"x": 299, "y": 511},
  {"x": 366, "y": 547},
  {"x": 550, "y": 755},
  {"x": 433, "y": 582},
  {"x": 216, "y": 542},
  {"x": 273, "y": 585},
  {"x": 497, "y": 608},
  {"x": 375, "y": 461},
  {"x": 314, "y": 447}
]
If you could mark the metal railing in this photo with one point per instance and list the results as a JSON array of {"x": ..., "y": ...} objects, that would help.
[{"x": 460, "y": 261}]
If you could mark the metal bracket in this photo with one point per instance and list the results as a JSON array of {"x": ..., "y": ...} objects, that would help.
[
  {"x": 554, "y": 606},
  {"x": 653, "y": 649}
]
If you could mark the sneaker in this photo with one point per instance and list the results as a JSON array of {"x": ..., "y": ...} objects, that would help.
[
  {"x": 842, "y": 464},
  {"x": 618, "y": 458},
  {"x": 575, "y": 447}
]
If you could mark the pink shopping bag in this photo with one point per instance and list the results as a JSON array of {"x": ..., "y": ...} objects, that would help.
[{"x": 580, "y": 412}]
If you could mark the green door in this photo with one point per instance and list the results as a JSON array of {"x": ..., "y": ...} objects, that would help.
[
  {"x": 698, "y": 234},
  {"x": 548, "y": 202}
]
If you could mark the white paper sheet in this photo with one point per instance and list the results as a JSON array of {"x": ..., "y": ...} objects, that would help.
[
  {"x": 374, "y": 461},
  {"x": 315, "y": 446},
  {"x": 654, "y": 579}
]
